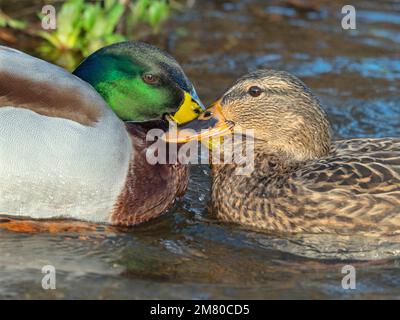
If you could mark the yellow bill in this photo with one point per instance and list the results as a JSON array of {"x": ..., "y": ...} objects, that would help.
[{"x": 189, "y": 110}]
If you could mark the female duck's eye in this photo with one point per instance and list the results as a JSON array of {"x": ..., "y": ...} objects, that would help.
[
  {"x": 150, "y": 78},
  {"x": 254, "y": 91}
]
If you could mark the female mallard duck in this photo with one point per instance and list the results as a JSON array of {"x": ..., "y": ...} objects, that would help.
[
  {"x": 301, "y": 182},
  {"x": 65, "y": 151}
]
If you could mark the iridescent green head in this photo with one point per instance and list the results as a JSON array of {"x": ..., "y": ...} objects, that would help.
[{"x": 141, "y": 82}]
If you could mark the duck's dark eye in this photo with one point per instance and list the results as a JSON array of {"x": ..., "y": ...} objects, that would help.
[
  {"x": 254, "y": 91},
  {"x": 150, "y": 78}
]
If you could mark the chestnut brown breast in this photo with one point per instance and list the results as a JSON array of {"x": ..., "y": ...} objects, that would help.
[{"x": 149, "y": 189}]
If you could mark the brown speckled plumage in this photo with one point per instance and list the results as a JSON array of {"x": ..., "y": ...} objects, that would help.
[
  {"x": 149, "y": 189},
  {"x": 352, "y": 188}
]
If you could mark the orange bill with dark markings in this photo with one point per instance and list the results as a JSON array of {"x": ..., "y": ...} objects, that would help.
[{"x": 210, "y": 123}]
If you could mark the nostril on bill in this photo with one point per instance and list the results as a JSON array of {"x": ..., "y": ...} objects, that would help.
[{"x": 207, "y": 114}]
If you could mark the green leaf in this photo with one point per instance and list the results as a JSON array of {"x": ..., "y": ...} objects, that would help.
[
  {"x": 6, "y": 21},
  {"x": 99, "y": 27},
  {"x": 50, "y": 37},
  {"x": 158, "y": 12},
  {"x": 90, "y": 14},
  {"x": 114, "y": 15},
  {"x": 69, "y": 17},
  {"x": 108, "y": 4},
  {"x": 139, "y": 10}
]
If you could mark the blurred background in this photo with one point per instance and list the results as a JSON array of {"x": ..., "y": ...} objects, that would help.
[
  {"x": 187, "y": 253},
  {"x": 82, "y": 26}
]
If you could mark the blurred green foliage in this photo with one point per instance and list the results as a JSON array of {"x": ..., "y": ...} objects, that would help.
[
  {"x": 6, "y": 21},
  {"x": 149, "y": 11},
  {"x": 83, "y": 27}
]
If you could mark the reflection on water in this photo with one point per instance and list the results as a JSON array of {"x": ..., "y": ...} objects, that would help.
[{"x": 187, "y": 253}]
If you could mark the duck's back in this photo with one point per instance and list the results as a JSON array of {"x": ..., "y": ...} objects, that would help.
[
  {"x": 356, "y": 188},
  {"x": 63, "y": 152}
]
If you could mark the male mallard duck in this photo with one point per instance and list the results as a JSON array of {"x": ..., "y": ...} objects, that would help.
[
  {"x": 301, "y": 182},
  {"x": 65, "y": 151}
]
